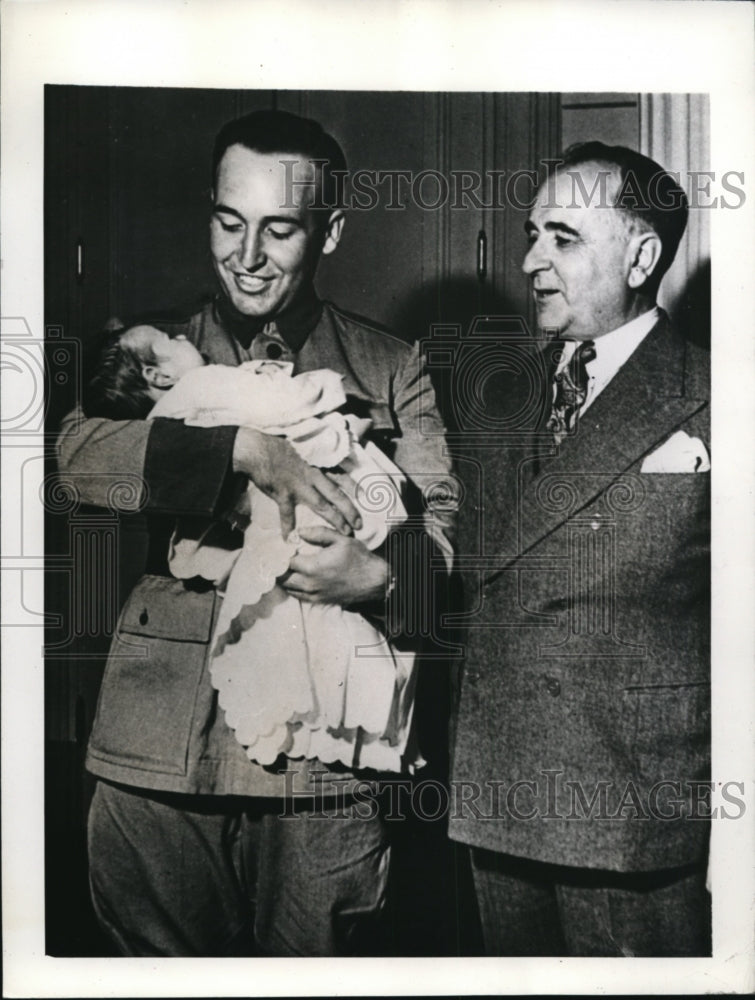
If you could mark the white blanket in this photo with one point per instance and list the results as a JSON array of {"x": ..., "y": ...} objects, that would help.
[{"x": 299, "y": 679}]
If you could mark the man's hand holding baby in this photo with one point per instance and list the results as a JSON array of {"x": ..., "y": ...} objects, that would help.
[
  {"x": 276, "y": 469},
  {"x": 341, "y": 571}
]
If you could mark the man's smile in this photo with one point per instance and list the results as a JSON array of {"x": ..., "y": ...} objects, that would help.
[{"x": 251, "y": 283}]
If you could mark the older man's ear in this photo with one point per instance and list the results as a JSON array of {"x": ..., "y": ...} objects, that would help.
[{"x": 646, "y": 253}]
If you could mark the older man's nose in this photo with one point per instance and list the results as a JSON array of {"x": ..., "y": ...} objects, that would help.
[{"x": 535, "y": 260}]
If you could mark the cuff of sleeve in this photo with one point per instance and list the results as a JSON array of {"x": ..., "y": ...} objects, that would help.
[
  {"x": 189, "y": 470},
  {"x": 407, "y": 552}
]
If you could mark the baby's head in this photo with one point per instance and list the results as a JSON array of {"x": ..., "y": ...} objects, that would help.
[{"x": 134, "y": 368}]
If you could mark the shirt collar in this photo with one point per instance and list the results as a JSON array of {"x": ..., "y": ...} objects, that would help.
[
  {"x": 294, "y": 324},
  {"x": 612, "y": 351}
]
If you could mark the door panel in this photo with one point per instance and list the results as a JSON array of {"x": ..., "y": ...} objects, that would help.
[{"x": 386, "y": 252}]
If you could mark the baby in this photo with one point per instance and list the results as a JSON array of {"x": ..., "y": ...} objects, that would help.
[{"x": 306, "y": 680}]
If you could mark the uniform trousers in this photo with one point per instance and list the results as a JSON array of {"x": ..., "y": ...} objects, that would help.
[
  {"x": 211, "y": 876},
  {"x": 532, "y": 908}
]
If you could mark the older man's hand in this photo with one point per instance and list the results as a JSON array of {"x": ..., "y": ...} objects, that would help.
[
  {"x": 275, "y": 468},
  {"x": 342, "y": 571}
]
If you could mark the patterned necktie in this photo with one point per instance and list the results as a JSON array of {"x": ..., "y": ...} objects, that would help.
[{"x": 571, "y": 392}]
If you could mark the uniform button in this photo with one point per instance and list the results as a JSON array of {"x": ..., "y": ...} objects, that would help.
[
  {"x": 553, "y": 686},
  {"x": 143, "y": 617},
  {"x": 472, "y": 676}
]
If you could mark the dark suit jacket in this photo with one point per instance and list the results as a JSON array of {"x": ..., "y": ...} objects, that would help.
[{"x": 582, "y": 733}]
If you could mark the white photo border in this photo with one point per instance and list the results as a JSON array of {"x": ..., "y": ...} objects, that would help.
[{"x": 665, "y": 46}]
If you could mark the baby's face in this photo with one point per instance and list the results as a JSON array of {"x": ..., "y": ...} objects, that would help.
[{"x": 175, "y": 355}]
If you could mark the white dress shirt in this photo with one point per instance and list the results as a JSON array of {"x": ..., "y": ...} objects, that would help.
[
  {"x": 612, "y": 351},
  {"x": 680, "y": 453}
]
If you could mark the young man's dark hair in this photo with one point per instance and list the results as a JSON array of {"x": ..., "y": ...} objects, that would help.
[
  {"x": 647, "y": 194},
  {"x": 293, "y": 137}
]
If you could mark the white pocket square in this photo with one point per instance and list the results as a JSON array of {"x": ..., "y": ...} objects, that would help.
[{"x": 680, "y": 453}]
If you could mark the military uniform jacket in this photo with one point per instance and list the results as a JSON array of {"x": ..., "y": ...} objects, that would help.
[{"x": 158, "y": 725}]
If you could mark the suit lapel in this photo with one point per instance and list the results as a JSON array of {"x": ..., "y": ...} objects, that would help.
[{"x": 641, "y": 406}]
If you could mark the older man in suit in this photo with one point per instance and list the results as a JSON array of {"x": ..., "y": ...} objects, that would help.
[{"x": 582, "y": 734}]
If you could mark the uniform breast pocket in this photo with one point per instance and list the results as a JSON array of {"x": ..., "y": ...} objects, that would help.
[{"x": 149, "y": 691}]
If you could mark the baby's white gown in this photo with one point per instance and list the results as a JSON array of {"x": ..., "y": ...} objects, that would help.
[{"x": 305, "y": 680}]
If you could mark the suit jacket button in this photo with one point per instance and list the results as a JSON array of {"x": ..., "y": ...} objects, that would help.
[
  {"x": 472, "y": 676},
  {"x": 143, "y": 617},
  {"x": 553, "y": 686}
]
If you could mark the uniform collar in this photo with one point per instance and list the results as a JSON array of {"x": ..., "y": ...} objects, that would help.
[{"x": 294, "y": 324}]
